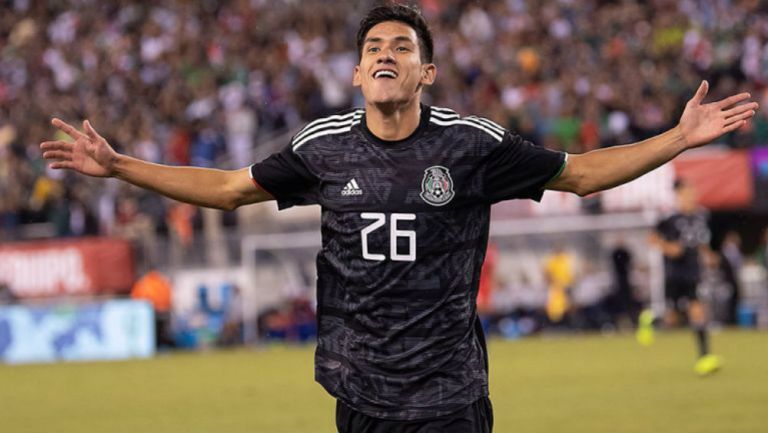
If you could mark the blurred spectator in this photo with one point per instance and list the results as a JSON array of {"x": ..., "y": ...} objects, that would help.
[
  {"x": 155, "y": 288},
  {"x": 762, "y": 250},
  {"x": 232, "y": 329},
  {"x": 193, "y": 82},
  {"x": 559, "y": 274},
  {"x": 292, "y": 320},
  {"x": 625, "y": 306},
  {"x": 179, "y": 220},
  {"x": 731, "y": 260},
  {"x": 519, "y": 307},
  {"x": 82, "y": 220},
  {"x": 487, "y": 281},
  {"x": 590, "y": 297},
  {"x": 133, "y": 224}
]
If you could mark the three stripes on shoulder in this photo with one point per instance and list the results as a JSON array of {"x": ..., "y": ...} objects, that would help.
[
  {"x": 447, "y": 117},
  {"x": 341, "y": 123},
  {"x": 336, "y": 124}
]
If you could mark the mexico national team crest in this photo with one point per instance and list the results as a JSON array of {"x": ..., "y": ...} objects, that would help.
[{"x": 437, "y": 186}]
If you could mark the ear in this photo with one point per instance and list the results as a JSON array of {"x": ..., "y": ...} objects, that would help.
[
  {"x": 356, "y": 78},
  {"x": 428, "y": 74}
]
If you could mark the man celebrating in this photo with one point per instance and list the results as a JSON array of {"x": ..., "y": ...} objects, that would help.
[{"x": 405, "y": 191}]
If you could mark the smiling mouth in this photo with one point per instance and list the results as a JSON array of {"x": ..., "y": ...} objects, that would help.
[{"x": 385, "y": 73}]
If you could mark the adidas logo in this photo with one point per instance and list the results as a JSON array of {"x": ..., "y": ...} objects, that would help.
[{"x": 351, "y": 188}]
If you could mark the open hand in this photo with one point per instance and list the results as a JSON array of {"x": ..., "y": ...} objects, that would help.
[
  {"x": 89, "y": 154},
  {"x": 702, "y": 123}
]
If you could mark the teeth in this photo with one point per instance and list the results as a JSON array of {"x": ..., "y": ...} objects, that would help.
[{"x": 380, "y": 74}]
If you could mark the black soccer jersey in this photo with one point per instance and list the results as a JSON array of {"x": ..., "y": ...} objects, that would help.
[
  {"x": 404, "y": 234},
  {"x": 692, "y": 231}
]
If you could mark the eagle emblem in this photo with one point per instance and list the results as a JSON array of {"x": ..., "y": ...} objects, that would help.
[{"x": 437, "y": 186}]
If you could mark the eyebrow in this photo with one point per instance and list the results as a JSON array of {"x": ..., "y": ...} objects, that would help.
[{"x": 396, "y": 38}]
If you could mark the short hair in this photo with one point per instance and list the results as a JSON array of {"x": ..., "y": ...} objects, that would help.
[{"x": 408, "y": 15}]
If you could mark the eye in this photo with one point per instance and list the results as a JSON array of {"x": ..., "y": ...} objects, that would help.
[
  {"x": 373, "y": 49},
  {"x": 403, "y": 49}
]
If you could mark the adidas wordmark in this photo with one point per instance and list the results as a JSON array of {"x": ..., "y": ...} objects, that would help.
[{"x": 352, "y": 188}]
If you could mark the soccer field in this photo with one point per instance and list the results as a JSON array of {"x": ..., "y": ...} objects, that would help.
[{"x": 568, "y": 384}]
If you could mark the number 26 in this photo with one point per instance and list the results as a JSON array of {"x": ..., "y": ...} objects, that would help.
[{"x": 394, "y": 233}]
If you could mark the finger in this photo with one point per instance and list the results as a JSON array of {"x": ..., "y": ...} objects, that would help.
[
  {"x": 62, "y": 164},
  {"x": 732, "y": 100},
  {"x": 740, "y": 109},
  {"x": 56, "y": 145},
  {"x": 58, "y": 155},
  {"x": 90, "y": 131},
  {"x": 67, "y": 128},
  {"x": 738, "y": 117},
  {"x": 734, "y": 126},
  {"x": 701, "y": 92}
]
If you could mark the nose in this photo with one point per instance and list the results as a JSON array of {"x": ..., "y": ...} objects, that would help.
[{"x": 385, "y": 57}]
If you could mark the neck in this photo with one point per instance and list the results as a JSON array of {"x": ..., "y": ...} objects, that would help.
[{"x": 392, "y": 122}]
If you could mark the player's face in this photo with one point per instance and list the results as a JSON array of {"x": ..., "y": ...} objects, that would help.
[
  {"x": 390, "y": 69},
  {"x": 687, "y": 200}
]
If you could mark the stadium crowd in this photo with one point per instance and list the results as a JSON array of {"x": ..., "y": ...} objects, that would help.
[{"x": 203, "y": 83}]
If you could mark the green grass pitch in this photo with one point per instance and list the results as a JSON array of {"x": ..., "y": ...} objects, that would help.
[{"x": 568, "y": 384}]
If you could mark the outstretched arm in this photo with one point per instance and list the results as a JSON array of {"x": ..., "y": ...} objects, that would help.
[
  {"x": 700, "y": 124},
  {"x": 90, "y": 154}
]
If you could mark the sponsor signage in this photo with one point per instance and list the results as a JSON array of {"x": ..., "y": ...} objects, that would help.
[
  {"x": 722, "y": 177},
  {"x": 95, "y": 331},
  {"x": 86, "y": 266}
]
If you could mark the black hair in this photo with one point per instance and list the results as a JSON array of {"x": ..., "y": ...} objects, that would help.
[{"x": 409, "y": 15}]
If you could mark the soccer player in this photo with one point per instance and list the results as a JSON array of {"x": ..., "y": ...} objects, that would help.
[
  {"x": 683, "y": 238},
  {"x": 405, "y": 191}
]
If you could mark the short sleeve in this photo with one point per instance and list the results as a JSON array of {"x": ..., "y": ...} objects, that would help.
[
  {"x": 517, "y": 168},
  {"x": 661, "y": 228},
  {"x": 666, "y": 229},
  {"x": 287, "y": 178}
]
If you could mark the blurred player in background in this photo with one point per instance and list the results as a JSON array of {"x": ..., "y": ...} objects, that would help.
[
  {"x": 683, "y": 238},
  {"x": 405, "y": 191}
]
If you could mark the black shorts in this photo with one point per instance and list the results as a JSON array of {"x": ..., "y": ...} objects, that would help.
[
  {"x": 680, "y": 289},
  {"x": 475, "y": 418}
]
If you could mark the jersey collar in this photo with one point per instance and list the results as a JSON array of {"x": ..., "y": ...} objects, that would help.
[{"x": 405, "y": 142}]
